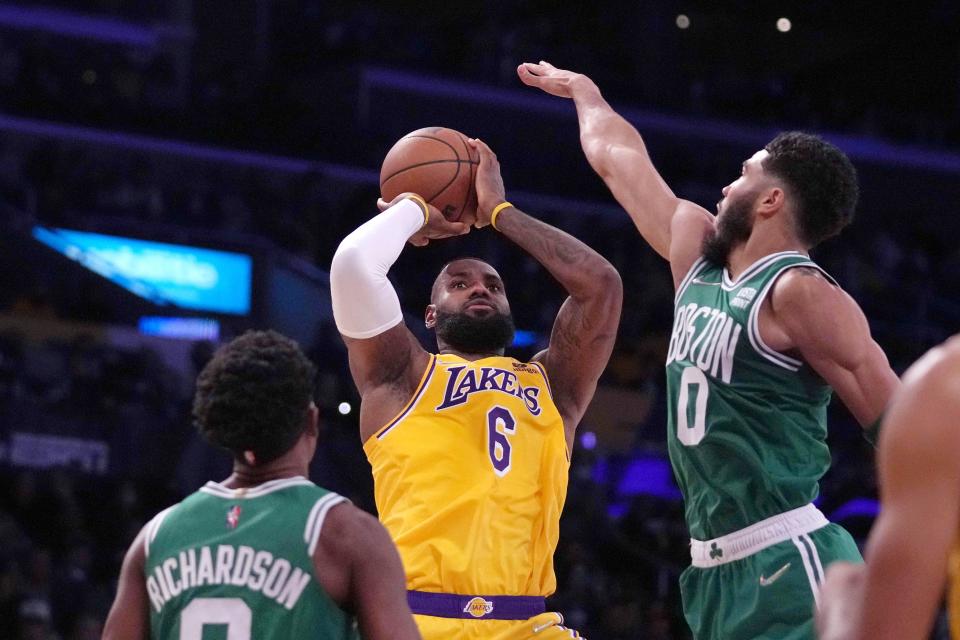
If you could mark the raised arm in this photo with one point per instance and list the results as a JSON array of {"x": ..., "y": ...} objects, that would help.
[
  {"x": 896, "y": 594},
  {"x": 129, "y": 617},
  {"x": 673, "y": 227},
  {"x": 585, "y": 329},
  {"x": 386, "y": 359},
  {"x": 359, "y": 566},
  {"x": 816, "y": 318}
]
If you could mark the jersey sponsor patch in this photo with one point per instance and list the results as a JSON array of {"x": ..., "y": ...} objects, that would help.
[
  {"x": 744, "y": 297},
  {"x": 478, "y": 607}
]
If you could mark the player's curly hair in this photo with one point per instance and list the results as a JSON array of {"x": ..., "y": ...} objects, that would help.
[
  {"x": 254, "y": 395},
  {"x": 822, "y": 180}
]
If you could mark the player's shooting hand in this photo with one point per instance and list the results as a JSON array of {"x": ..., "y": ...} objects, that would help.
[
  {"x": 841, "y": 600},
  {"x": 436, "y": 228},
  {"x": 545, "y": 76},
  {"x": 489, "y": 183}
]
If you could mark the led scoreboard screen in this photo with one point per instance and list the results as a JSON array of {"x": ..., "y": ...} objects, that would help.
[{"x": 166, "y": 274}]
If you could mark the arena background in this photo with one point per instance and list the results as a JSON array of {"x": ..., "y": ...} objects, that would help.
[{"x": 256, "y": 128}]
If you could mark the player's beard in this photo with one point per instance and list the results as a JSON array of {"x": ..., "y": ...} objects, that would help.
[
  {"x": 733, "y": 228},
  {"x": 476, "y": 334}
]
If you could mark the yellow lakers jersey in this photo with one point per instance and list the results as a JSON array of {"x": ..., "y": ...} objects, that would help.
[{"x": 470, "y": 478}]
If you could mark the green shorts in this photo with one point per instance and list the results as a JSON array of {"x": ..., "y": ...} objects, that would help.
[{"x": 770, "y": 594}]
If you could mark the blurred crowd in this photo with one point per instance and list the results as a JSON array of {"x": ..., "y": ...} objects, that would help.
[
  {"x": 265, "y": 74},
  {"x": 906, "y": 280}
]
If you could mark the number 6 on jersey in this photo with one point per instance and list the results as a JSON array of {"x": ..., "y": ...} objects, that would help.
[{"x": 500, "y": 424}]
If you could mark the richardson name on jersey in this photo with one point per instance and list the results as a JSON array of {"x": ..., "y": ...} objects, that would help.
[
  {"x": 459, "y": 387},
  {"x": 242, "y": 566},
  {"x": 705, "y": 337}
]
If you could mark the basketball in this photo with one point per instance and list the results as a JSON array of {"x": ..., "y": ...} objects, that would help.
[{"x": 438, "y": 164}]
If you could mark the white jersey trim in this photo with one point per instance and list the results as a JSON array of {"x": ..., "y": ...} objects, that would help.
[
  {"x": 311, "y": 532},
  {"x": 753, "y": 322},
  {"x": 153, "y": 527},
  {"x": 757, "y": 537},
  {"x": 730, "y": 284},
  {"x": 412, "y": 404},
  {"x": 217, "y": 489},
  {"x": 820, "y": 575},
  {"x": 808, "y": 564}
]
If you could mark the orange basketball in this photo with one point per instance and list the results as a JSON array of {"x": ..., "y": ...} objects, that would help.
[{"x": 437, "y": 164}]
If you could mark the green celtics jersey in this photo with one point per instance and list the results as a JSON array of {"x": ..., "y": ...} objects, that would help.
[
  {"x": 236, "y": 564},
  {"x": 746, "y": 424}
]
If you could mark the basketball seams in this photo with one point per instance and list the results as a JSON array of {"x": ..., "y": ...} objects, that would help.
[
  {"x": 416, "y": 166},
  {"x": 450, "y": 182},
  {"x": 454, "y": 178},
  {"x": 440, "y": 140},
  {"x": 455, "y": 158},
  {"x": 456, "y": 173},
  {"x": 470, "y": 187}
]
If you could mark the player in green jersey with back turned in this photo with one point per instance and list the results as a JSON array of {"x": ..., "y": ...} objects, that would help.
[
  {"x": 265, "y": 553},
  {"x": 761, "y": 336}
]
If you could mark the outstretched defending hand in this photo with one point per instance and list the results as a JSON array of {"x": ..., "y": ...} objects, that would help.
[
  {"x": 489, "y": 182},
  {"x": 557, "y": 82},
  {"x": 437, "y": 226}
]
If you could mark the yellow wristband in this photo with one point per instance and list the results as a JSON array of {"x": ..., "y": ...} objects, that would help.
[
  {"x": 496, "y": 211},
  {"x": 423, "y": 204}
]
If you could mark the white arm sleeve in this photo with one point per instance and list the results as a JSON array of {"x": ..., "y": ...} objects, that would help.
[{"x": 364, "y": 302}]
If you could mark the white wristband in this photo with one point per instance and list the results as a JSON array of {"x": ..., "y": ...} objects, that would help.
[{"x": 365, "y": 304}]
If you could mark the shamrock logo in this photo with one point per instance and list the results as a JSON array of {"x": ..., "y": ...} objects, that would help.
[{"x": 715, "y": 551}]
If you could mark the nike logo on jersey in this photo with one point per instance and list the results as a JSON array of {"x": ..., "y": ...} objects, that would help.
[{"x": 766, "y": 582}]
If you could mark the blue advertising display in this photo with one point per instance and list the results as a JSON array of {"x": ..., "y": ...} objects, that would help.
[
  {"x": 166, "y": 274},
  {"x": 186, "y": 328}
]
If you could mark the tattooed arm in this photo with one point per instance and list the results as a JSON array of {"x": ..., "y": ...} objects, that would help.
[
  {"x": 585, "y": 329},
  {"x": 586, "y": 326}
]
